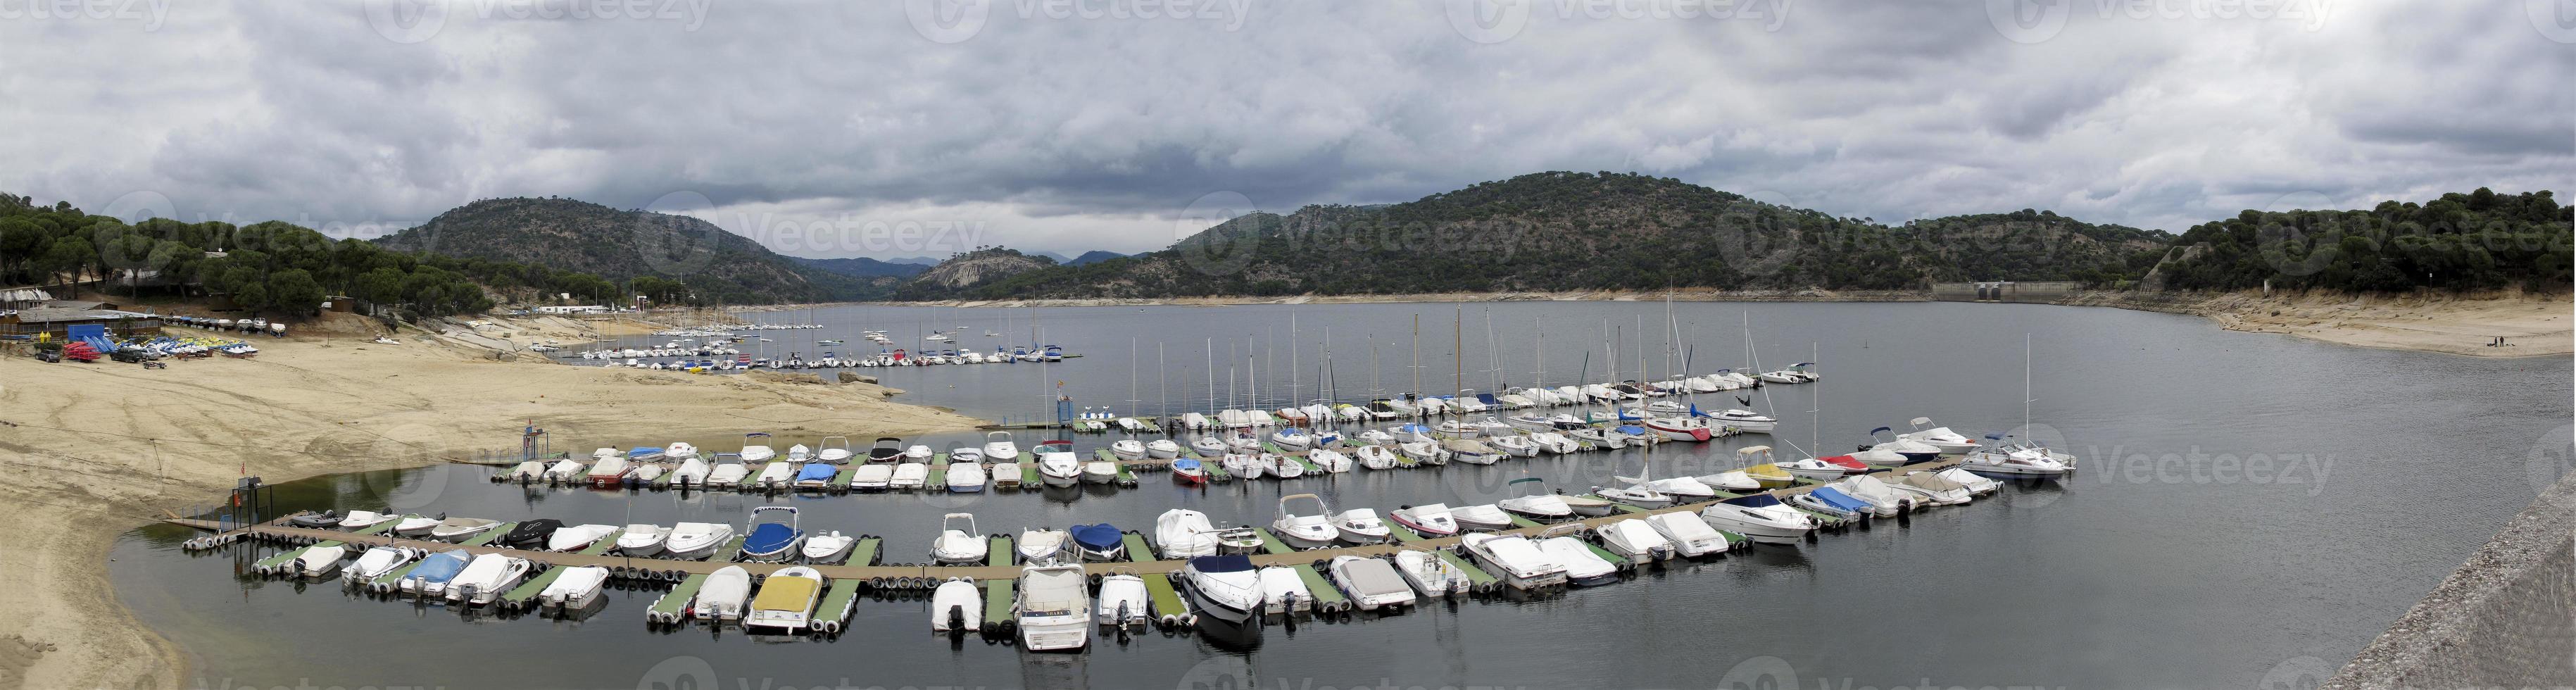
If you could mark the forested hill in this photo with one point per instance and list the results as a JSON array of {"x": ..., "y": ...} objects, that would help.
[
  {"x": 2475, "y": 241},
  {"x": 672, "y": 258},
  {"x": 1560, "y": 231}
]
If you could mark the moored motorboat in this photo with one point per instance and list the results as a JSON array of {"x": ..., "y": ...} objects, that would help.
[
  {"x": 429, "y": 579},
  {"x": 871, "y": 477},
  {"x": 1531, "y": 498},
  {"x": 1520, "y": 563},
  {"x": 1583, "y": 566},
  {"x": 1162, "y": 449},
  {"x": 485, "y": 578},
  {"x": 1691, "y": 537},
  {"x": 1329, "y": 460},
  {"x": 1941, "y": 437},
  {"x": 1127, "y": 449},
  {"x": 1043, "y": 545},
  {"x": 1308, "y": 530},
  {"x": 1977, "y": 485},
  {"x": 320, "y": 560},
  {"x": 1429, "y": 520},
  {"x": 1361, "y": 526},
  {"x": 578, "y": 537},
  {"x": 1099, "y": 542},
  {"x": 999, "y": 447},
  {"x": 786, "y": 600},
  {"x": 1480, "y": 517},
  {"x": 1057, "y": 465},
  {"x": 723, "y": 595},
  {"x": 462, "y": 528},
  {"x": 1123, "y": 601},
  {"x": 957, "y": 606},
  {"x": 1634, "y": 540},
  {"x": 1429, "y": 574},
  {"x": 1761, "y": 518},
  {"x": 1099, "y": 472},
  {"x": 816, "y": 476},
  {"x": 642, "y": 539},
  {"x": 376, "y": 563},
  {"x": 578, "y": 587},
  {"x": 1181, "y": 533},
  {"x": 958, "y": 542},
  {"x": 1376, "y": 457},
  {"x": 771, "y": 534},
  {"x": 907, "y": 476},
  {"x": 827, "y": 547},
  {"x": 1223, "y": 587},
  {"x": 1189, "y": 470}
]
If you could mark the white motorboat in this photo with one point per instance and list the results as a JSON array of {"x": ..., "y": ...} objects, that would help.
[
  {"x": 1194, "y": 420},
  {"x": 775, "y": 475},
  {"x": 1583, "y": 566},
  {"x": 1127, "y": 449},
  {"x": 642, "y": 539},
  {"x": 1941, "y": 437},
  {"x": 320, "y": 560},
  {"x": 1760, "y": 517},
  {"x": 1521, "y": 563},
  {"x": 1042, "y": 545},
  {"x": 414, "y": 525},
  {"x": 1376, "y": 437},
  {"x": 834, "y": 449},
  {"x": 1370, "y": 583},
  {"x": 1456, "y": 428},
  {"x": 485, "y": 578},
  {"x": 755, "y": 448},
  {"x": 1244, "y": 465},
  {"x": 578, "y": 587},
  {"x": 2016, "y": 460},
  {"x": 1291, "y": 438},
  {"x": 1162, "y": 449},
  {"x": 957, "y": 606},
  {"x": 959, "y": 544},
  {"x": 1683, "y": 489},
  {"x": 871, "y": 477},
  {"x": 1057, "y": 464},
  {"x": 460, "y": 529},
  {"x": 1824, "y": 469},
  {"x": 1977, "y": 485},
  {"x": 998, "y": 447},
  {"x": 1936, "y": 491},
  {"x": 1514, "y": 445},
  {"x": 908, "y": 476},
  {"x": 727, "y": 474},
  {"x": 1637, "y": 493},
  {"x": 1376, "y": 457},
  {"x": 1424, "y": 452},
  {"x": 1531, "y": 498},
  {"x": 564, "y": 472},
  {"x": 1055, "y": 608},
  {"x": 691, "y": 473},
  {"x": 376, "y": 563},
  {"x": 1429, "y": 574},
  {"x": 1429, "y": 520},
  {"x": 1123, "y": 602},
  {"x": 786, "y": 600},
  {"x": 723, "y": 595},
  {"x": 1635, "y": 540},
  {"x": 966, "y": 476},
  {"x": 1412, "y": 433},
  {"x": 1225, "y": 587},
  {"x": 1307, "y": 530},
  {"x": 1883, "y": 500},
  {"x": 577, "y": 537},
  {"x": 1599, "y": 438},
  {"x": 1554, "y": 443},
  {"x": 1099, "y": 472},
  {"x": 1480, "y": 517},
  {"x": 1283, "y": 466},
  {"x": 1283, "y": 591},
  {"x": 1208, "y": 446},
  {"x": 799, "y": 453},
  {"x": 695, "y": 540},
  {"x": 678, "y": 450},
  {"x": 1361, "y": 526},
  {"x": 1181, "y": 533},
  {"x": 1329, "y": 460},
  {"x": 918, "y": 453},
  {"x": 1746, "y": 421},
  {"x": 1691, "y": 537},
  {"x": 360, "y": 519},
  {"x": 826, "y": 547},
  {"x": 1679, "y": 428}
]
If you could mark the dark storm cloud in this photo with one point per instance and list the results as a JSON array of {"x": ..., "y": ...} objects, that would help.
[{"x": 1070, "y": 126}]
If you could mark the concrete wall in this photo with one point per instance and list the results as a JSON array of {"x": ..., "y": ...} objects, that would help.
[
  {"x": 2506, "y": 619},
  {"x": 2042, "y": 292}
]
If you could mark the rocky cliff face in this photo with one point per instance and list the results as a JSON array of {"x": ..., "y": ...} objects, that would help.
[{"x": 979, "y": 267}]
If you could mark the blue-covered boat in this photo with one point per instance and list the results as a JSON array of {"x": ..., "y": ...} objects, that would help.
[
  {"x": 1832, "y": 501},
  {"x": 1189, "y": 470},
  {"x": 644, "y": 453},
  {"x": 1100, "y": 542},
  {"x": 772, "y": 540},
  {"x": 816, "y": 475},
  {"x": 431, "y": 576}
]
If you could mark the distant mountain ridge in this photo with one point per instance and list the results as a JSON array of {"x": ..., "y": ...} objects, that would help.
[
  {"x": 716, "y": 266},
  {"x": 864, "y": 267}
]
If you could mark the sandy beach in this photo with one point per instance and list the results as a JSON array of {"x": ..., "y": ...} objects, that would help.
[{"x": 101, "y": 448}]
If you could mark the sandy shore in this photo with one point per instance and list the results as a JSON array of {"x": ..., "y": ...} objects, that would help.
[
  {"x": 2532, "y": 325},
  {"x": 98, "y": 449}
]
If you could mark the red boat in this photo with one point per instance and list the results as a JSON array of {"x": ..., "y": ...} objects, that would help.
[{"x": 1189, "y": 470}]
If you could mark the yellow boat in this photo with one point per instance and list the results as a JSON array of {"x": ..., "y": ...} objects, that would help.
[
  {"x": 786, "y": 600},
  {"x": 1766, "y": 473}
]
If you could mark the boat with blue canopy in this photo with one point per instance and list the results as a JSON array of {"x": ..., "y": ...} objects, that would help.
[{"x": 771, "y": 540}]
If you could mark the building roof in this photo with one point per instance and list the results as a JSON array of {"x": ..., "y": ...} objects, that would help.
[{"x": 60, "y": 315}]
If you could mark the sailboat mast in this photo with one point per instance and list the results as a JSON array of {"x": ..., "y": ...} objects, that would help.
[
  {"x": 1292, "y": 359},
  {"x": 1417, "y": 355},
  {"x": 1162, "y": 380},
  {"x": 1457, "y": 354}
]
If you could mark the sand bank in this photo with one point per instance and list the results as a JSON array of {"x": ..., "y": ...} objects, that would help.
[
  {"x": 2531, "y": 325},
  {"x": 97, "y": 449}
]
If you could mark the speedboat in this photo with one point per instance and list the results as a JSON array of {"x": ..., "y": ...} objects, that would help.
[
  {"x": 1208, "y": 446},
  {"x": 2016, "y": 460},
  {"x": 1099, "y": 472},
  {"x": 1883, "y": 500},
  {"x": 1587, "y": 506},
  {"x": 1637, "y": 493},
  {"x": 1977, "y": 486},
  {"x": 1127, "y": 449},
  {"x": 1683, "y": 489},
  {"x": 1376, "y": 457},
  {"x": 1223, "y": 587},
  {"x": 826, "y": 547},
  {"x": 429, "y": 579},
  {"x": 723, "y": 595},
  {"x": 695, "y": 540},
  {"x": 918, "y": 453},
  {"x": 755, "y": 448},
  {"x": 678, "y": 450},
  {"x": 770, "y": 541},
  {"x": 800, "y": 453},
  {"x": 786, "y": 600},
  {"x": 1914, "y": 451},
  {"x": 1052, "y": 608},
  {"x": 965, "y": 476},
  {"x": 1238, "y": 540},
  {"x": 1376, "y": 437},
  {"x": 642, "y": 539},
  {"x": 999, "y": 447},
  {"x": 1830, "y": 501},
  {"x": 319, "y": 561},
  {"x": 1531, "y": 498},
  {"x": 1162, "y": 449},
  {"x": 1521, "y": 564},
  {"x": 1731, "y": 481},
  {"x": 1430, "y": 574},
  {"x": 563, "y": 471},
  {"x": 1042, "y": 545},
  {"x": 1755, "y": 463},
  {"x": 578, "y": 537},
  {"x": 957, "y": 606},
  {"x": 1759, "y": 517},
  {"x": 956, "y": 545},
  {"x": 871, "y": 477},
  {"x": 1361, "y": 526},
  {"x": 360, "y": 519},
  {"x": 1583, "y": 566},
  {"x": 375, "y": 563},
  {"x": 1691, "y": 536},
  {"x": 836, "y": 450},
  {"x": 1181, "y": 533},
  {"x": 1942, "y": 492},
  {"x": 484, "y": 579},
  {"x": 886, "y": 449},
  {"x": 1824, "y": 469},
  {"x": 908, "y": 476},
  {"x": 1635, "y": 540},
  {"x": 1484, "y": 517},
  {"x": 1950, "y": 442},
  {"x": 1429, "y": 520},
  {"x": 1678, "y": 428},
  {"x": 1189, "y": 470},
  {"x": 1283, "y": 591},
  {"x": 816, "y": 476},
  {"x": 775, "y": 474},
  {"x": 1746, "y": 421},
  {"x": 460, "y": 529},
  {"x": 1099, "y": 542},
  {"x": 1304, "y": 531},
  {"x": 1370, "y": 583},
  {"x": 1456, "y": 428},
  {"x": 1057, "y": 464},
  {"x": 726, "y": 474},
  {"x": 578, "y": 587}
]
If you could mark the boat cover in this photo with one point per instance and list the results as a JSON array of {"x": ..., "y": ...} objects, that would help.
[
  {"x": 440, "y": 567},
  {"x": 1187, "y": 464},
  {"x": 1100, "y": 537},
  {"x": 786, "y": 594},
  {"x": 769, "y": 537},
  {"x": 1230, "y": 563},
  {"x": 1754, "y": 501},
  {"x": 816, "y": 472},
  {"x": 1838, "y": 499}
]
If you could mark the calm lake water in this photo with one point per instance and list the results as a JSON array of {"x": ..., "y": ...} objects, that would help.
[{"x": 2251, "y": 507}]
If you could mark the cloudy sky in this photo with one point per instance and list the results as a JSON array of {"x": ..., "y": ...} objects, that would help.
[{"x": 922, "y": 126}]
